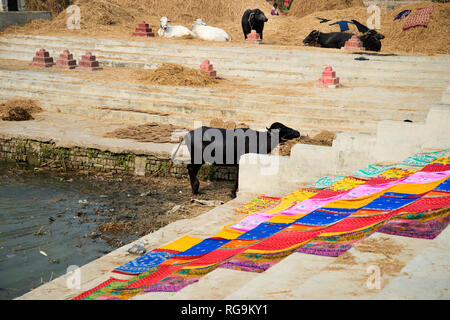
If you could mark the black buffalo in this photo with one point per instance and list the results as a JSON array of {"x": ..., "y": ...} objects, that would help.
[
  {"x": 327, "y": 40},
  {"x": 253, "y": 20},
  {"x": 223, "y": 147},
  {"x": 370, "y": 39}
]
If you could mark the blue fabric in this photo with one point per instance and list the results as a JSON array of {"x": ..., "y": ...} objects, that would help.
[
  {"x": 262, "y": 231},
  {"x": 145, "y": 262},
  {"x": 388, "y": 203},
  {"x": 402, "y": 14},
  {"x": 320, "y": 218},
  {"x": 343, "y": 25},
  {"x": 339, "y": 210},
  {"x": 323, "y": 20},
  {"x": 399, "y": 195},
  {"x": 444, "y": 186},
  {"x": 203, "y": 247}
]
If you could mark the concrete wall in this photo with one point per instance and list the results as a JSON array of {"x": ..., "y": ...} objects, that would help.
[
  {"x": 19, "y": 18},
  {"x": 89, "y": 160},
  {"x": 393, "y": 142}
]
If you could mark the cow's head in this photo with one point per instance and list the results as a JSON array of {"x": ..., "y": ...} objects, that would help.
[
  {"x": 199, "y": 22},
  {"x": 257, "y": 15},
  {"x": 373, "y": 34},
  {"x": 164, "y": 23},
  {"x": 285, "y": 133},
  {"x": 312, "y": 38}
]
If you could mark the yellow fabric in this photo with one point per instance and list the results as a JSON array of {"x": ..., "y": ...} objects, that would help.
[
  {"x": 415, "y": 188},
  {"x": 396, "y": 173},
  {"x": 284, "y": 218},
  {"x": 346, "y": 184},
  {"x": 182, "y": 244},
  {"x": 354, "y": 203},
  {"x": 227, "y": 233},
  {"x": 442, "y": 160}
]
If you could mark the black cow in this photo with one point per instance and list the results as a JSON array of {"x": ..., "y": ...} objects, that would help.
[
  {"x": 327, "y": 40},
  {"x": 223, "y": 147},
  {"x": 253, "y": 20},
  {"x": 370, "y": 39}
]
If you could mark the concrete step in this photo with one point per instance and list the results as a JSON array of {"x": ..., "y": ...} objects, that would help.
[
  {"x": 288, "y": 66},
  {"x": 283, "y": 63},
  {"x": 274, "y": 53},
  {"x": 61, "y": 93},
  {"x": 254, "y": 120},
  {"x": 375, "y": 104},
  {"x": 367, "y": 99}
]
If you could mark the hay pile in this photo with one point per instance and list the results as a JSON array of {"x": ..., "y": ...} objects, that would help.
[
  {"x": 119, "y": 18},
  {"x": 19, "y": 109},
  {"x": 323, "y": 138},
  {"x": 172, "y": 74},
  {"x": 303, "y": 8},
  {"x": 54, "y": 6},
  {"x": 231, "y": 125},
  {"x": 424, "y": 40},
  {"x": 128, "y": 13},
  {"x": 151, "y": 132},
  {"x": 432, "y": 39}
]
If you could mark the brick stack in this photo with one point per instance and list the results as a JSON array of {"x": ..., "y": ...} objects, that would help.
[
  {"x": 354, "y": 44},
  {"x": 66, "y": 61},
  {"x": 42, "y": 59},
  {"x": 208, "y": 68},
  {"x": 89, "y": 62},
  {"x": 253, "y": 37},
  {"x": 143, "y": 30},
  {"x": 328, "y": 79}
]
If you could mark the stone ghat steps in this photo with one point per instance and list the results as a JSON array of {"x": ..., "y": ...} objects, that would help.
[
  {"x": 351, "y": 276},
  {"x": 277, "y": 53},
  {"x": 304, "y": 124},
  {"x": 259, "y": 74},
  {"x": 371, "y": 103},
  {"x": 69, "y": 97},
  {"x": 259, "y": 65}
]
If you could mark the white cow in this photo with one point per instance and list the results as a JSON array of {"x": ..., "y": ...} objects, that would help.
[
  {"x": 202, "y": 31},
  {"x": 172, "y": 31}
]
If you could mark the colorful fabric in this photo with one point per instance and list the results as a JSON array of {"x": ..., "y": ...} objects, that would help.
[
  {"x": 259, "y": 204},
  {"x": 421, "y": 18},
  {"x": 325, "y": 182},
  {"x": 144, "y": 262},
  {"x": 326, "y": 222}
]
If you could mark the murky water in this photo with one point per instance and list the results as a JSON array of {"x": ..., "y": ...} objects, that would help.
[{"x": 44, "y": 221}]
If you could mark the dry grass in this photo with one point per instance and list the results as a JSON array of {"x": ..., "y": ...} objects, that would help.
[
  {"x": 305, "y": 7},
  {"x": 19, "y": 109},
  {"x": 54, "y": 6},
  {"x": 151, "y": 132},
  {"x": 172, "y": 74},
  {"x": 119, "y": 18}
]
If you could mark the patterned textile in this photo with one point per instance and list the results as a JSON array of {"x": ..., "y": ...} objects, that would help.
[
  {"x": 325, "y": 222},
  {"x": 157, "y": 256},
  {"x": 421, "y": 18},
  {"x": 325, "y": 182},
  {"x": 144, "y": 262},
  {"x": 259, "y": 204}
]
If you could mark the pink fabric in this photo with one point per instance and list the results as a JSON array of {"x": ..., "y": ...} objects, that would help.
[
  {"x": 311, "y": 204},
  {"x": 364, "y": 190}
]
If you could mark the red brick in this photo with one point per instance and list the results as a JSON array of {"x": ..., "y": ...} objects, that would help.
[{"x": 42, "y": 59}]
